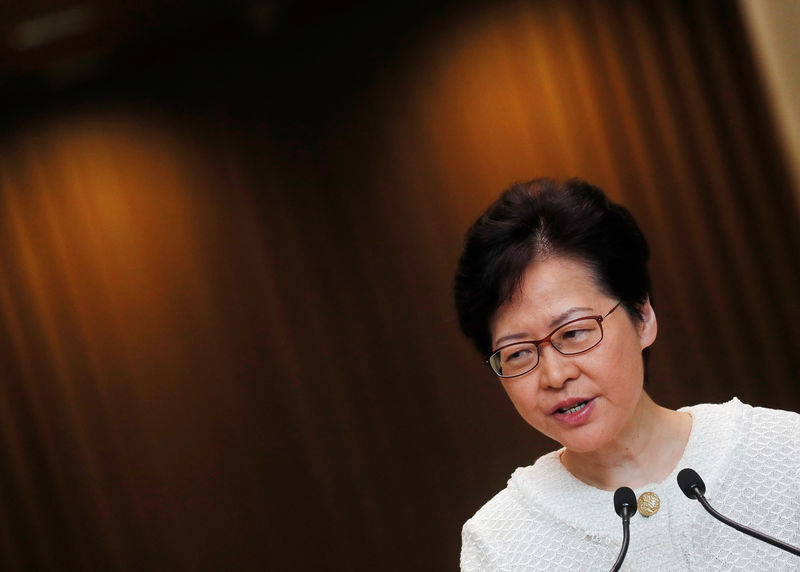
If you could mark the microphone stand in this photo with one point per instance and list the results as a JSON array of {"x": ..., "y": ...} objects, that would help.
[
  {"x": 626, "y": 538},
  {"x": 693, "y": 487},
  {"x": 742, "y": 528},
  {"x": 624, "y": 503}
]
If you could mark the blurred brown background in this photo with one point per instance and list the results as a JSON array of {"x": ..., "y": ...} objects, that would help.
[{"x": 228, "y": 237}]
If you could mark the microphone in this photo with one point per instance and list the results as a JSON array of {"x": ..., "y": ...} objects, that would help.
[
  {"x": 625, "y": 506},
  {"x": 693, "y": 487}
]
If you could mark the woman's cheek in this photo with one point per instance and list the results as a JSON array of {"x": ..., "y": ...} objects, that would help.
[
  {"x": 528, "y": 406},
  {"x": 524, "y": 398}
]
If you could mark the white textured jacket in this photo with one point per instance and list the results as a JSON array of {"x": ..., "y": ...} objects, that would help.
[{"x": 749, "y": 458}]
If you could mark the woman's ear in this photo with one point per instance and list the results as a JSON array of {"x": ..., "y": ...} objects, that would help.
[{"x": 648, "y": 327}]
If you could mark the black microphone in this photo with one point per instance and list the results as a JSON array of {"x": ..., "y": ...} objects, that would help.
[
  {"x": 625, "y": 505},
  {"x": 693, "y": 487}
]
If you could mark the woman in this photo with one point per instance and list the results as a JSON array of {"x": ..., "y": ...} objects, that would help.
[{"x": 553, "y": 287}]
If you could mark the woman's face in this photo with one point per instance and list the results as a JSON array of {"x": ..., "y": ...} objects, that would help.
[{"x": 585, "y": 401}]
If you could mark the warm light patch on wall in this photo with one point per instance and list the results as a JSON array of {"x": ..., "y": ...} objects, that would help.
[
  {"x": 103, "y": 220},
  {"x": 506, "y": 94},
  {"x": 104, "y": 295}
]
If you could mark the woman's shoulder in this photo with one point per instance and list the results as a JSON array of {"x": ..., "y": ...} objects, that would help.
[
  {"x": 757, "y": 480},
  {"x": 772, "y": 433},
  {"x": 542, "y": 517},
  {"x": 749, "y": 440},
  {"x": 520, "y": 504},
  {"x": 752, "y": 421},
  {"x": 541, "y": 507},
  {"x": 510, "y": 502}
]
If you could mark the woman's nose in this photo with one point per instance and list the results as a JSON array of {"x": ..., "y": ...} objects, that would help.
[{"x": 555, "y": 369}]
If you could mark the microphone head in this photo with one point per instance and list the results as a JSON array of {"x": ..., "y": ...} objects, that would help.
[
  {"x": 688, "y": 480},
  {"x": 623, "y": 497}
]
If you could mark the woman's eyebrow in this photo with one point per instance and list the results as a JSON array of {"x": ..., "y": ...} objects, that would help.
[
  {"x": 563, "y": 316},
  {"x": 510, "y": 337},
  {"x": 557, "y": 321}
]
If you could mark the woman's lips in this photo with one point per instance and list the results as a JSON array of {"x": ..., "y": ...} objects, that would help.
[{"x": 574, "y": 417}]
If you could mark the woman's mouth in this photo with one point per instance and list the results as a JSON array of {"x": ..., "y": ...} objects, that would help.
[
  {"x": 574, "y": 409},
  {"x": 575, "y": 412}
]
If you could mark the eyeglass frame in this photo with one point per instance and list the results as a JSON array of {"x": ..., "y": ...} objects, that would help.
[{"x": 536, "y": 343}]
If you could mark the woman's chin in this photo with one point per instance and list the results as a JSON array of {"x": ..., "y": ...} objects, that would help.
[
  {"x": 583, "y": 444},
  {"x": 580, "y": 449}
]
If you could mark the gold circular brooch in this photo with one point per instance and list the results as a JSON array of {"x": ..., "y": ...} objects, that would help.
[{"x": 648, "y": 504}]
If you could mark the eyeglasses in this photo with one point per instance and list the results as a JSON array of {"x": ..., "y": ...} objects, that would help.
[{"x": 569, "y": 339}]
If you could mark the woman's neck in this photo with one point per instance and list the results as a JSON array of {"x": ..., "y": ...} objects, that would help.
[{"x": 646, "y": 452}]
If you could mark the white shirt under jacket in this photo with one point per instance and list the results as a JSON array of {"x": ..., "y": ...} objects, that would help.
[{"x": 749, "y": 458}]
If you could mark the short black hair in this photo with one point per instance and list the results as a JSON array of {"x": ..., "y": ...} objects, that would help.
[{"x": 542, "y": 218}]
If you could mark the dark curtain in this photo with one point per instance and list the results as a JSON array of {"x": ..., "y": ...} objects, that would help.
[{"x": 227, "y": 333}]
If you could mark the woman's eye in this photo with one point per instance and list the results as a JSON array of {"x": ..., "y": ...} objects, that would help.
[
  {"x": 518, "y": 355},
  {"x": 574, "y": 334}
]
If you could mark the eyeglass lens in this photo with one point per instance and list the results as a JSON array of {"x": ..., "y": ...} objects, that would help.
[{"x": 571, "y": 338}]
